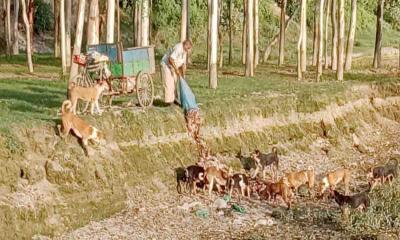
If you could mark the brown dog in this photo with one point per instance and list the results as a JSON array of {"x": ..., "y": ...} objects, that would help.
[
  {"x": 88, "y": 94},
  {"x": 81, "y": 129},
  {"x": 281, "y": 188},
  {"x": 217, "y": 176},
  {"x": 240, "y": 182},
  {"x": 334, "y": 178},
  {"x": 296, "y": 179}
]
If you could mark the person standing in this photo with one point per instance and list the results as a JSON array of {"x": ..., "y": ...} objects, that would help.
[{"x": 173, "y": 65}]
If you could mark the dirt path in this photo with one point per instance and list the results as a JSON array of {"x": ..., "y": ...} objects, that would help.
[{"x": 162, "y": 214}]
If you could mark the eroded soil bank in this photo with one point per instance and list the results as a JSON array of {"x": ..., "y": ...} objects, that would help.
[{"x": 48, "y": 187}]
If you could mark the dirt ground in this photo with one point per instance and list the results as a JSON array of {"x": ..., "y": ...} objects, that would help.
[{"x": 163, "y": 214}]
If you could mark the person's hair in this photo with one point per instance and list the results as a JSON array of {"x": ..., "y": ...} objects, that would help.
[{"x": 187, "y": 42}]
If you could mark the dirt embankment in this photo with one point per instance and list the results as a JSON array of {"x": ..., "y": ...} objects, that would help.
[{"x": 49, "y": 187}]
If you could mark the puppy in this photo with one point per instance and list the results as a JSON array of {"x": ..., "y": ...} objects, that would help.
[
  {"x": 381, "y": 174},
  {"x": 194, "y": 175},
  {"x": 296, "y": 179},
  {"x": 181, "y": 178},
  {"x": 264, "y": 160},
  {"x": 82, "y": 130},
  {"x": 89, "y": 95},
  {"x": 357, "y": 201},
  {"x": 281, "y": 188},
  {"x": 217, "y": 176},
  {"x": 240, "y": 182},
  {"x": 334, "y": 178}
]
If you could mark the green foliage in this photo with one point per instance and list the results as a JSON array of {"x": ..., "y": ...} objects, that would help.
[{"x": 44, "y": 18}]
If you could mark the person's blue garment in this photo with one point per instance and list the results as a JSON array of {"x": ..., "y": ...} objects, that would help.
[{"x": 187, "y": 98}]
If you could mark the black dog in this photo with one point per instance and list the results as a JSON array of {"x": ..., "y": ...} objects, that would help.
[
  {"x": 195, "y": 177},
  {"x": 360, "y": 200},
  {"x": 263, "y": 160},
  {"x": 383, "y": 173}
]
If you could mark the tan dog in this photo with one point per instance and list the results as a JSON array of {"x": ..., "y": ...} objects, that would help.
[
  {"x": 217, "y": 176},
  {"x": 296, "y": 179},
  {"x": 81, "y": 129},
  {"x": 334, "y": 178},
  {"x": 88, "y": 94}
]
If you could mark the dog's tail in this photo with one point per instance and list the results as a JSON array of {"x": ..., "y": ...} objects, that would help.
[{"x": 66, "y": 106}]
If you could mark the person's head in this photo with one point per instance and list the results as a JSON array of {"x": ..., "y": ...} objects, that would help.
[{"x": 187, "y": 45}]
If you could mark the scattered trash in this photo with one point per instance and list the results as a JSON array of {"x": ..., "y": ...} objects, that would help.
[
  {"x": 238, "y": 208},
  {"x": 264, "y": 222},
  {"x": 203, "y": 213},
  {"x": 220, "y": 203},
  {"x": 188, "y": 206}
]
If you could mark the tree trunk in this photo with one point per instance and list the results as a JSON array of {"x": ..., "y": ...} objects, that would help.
[
  {"x": 118, "y": 22},
  {"x": 320, "y": 41},
  {"x": 15, "y": 48},
  {"x": 304, "y": 35},
  {"x": 93, "y": 23},
  {"x": 256, "y": 33},
  {"x": 341, "y": 39},
  {"x": 282, "y": 33},
  {"x": 378, "y": 37},
  {"x": 244, "y": 38},
  {"x": 351, "y": 36},
  {"x": 145, "y": 23},
  {"x": 62, "y": 33},
  {"x": 328, "y": 8},
  {"x": 184, "y": 20},
  {"x": 316, "y": 33},
  {"x": 250, "y": 39},
  {"x": 68, "y": 6},
  {"x": 275, "y": 39},
  {"x": 57, "y": 28},
  {"x": 8, "y": 26},
  {"x": 230, "y": 31},
  {"x": 78, "y": 38},
  {"x": 334, "y": 35},
  {"x": 300, "y": 42},
  {"x": 213, "y": 78},
  {"x": 28, "y": 37},
  {"x": 110, "y": 20}
]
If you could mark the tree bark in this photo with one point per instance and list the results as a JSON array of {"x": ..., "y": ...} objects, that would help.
[
  {"x": 78, "y": 38},
  {"x": 15, "y": 47},
  {"x": 351, "y": 36},
  {"x": 145, "y": 23},
  {"x": 110, "y": 20},
  {"x": 62, "y": 33},
  {"x": 282, "y": 33},
  {"x": 28, "y": 37},
  {"x": 230, "y": 31},
  {"x": 244, "y": 38},
  {"x": 300, "y": 42},
  {"x": 378, "y": 37},
  {"x": 57, "y": 28},
  {"x": 334, "y": 35},
  {"x": 213, "y": 78},
  {"x": 304, "y": 36},
  {"x": 340, "y": 54},
  {"x": 328, "y": 8},
  {"x": 250, "y": 39},
  {"x": 93, "y": 23},
  {"x": 184, "y": 20},
  {"x": 8, "y": 28},
  {"x": 118, "y": 21},
  {"x": 320, "y": 41},
  {"x": 68, "y": 6},
  {"x": 316, "y": 33},
  {"x": 256, "y": 33}
]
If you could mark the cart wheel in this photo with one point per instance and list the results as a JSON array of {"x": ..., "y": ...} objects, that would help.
[{"x": 144, "y": 89}]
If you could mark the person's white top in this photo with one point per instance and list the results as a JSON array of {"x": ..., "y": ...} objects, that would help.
[{"x": 178, "y": 54}]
